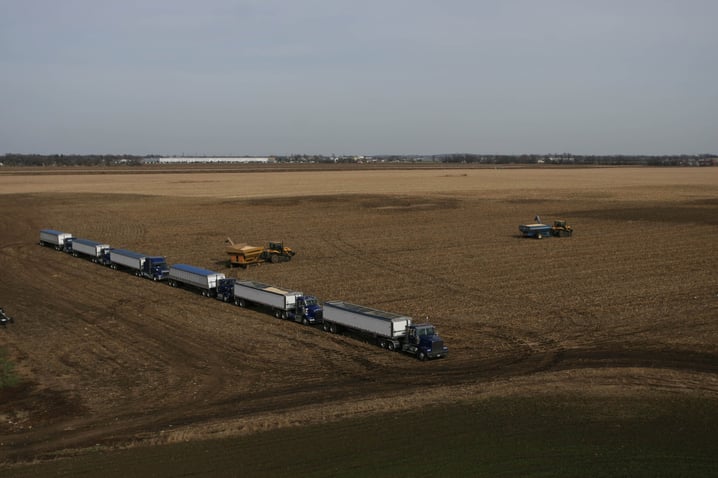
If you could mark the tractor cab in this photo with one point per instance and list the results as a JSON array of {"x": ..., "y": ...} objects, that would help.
[{"x": 560, "y": 228}]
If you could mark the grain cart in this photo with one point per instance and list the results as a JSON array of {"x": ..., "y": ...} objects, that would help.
[
  {"x": 244, "y": 255},
  {"x": 283, "y": 304},
  {"x": 389, "y": 330},
  {"x": 142, "y": 265},
  {"x": 203, "y": 280},
  {"x": 61, "y": 241},
  {"x": 539, "y": 230},
  {"x": 95, "y": 251}
]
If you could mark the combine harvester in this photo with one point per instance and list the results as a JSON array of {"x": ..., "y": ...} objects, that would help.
[{"x": 539, "y": 230}]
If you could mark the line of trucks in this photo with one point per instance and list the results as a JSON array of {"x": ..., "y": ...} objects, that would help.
[{"x": 388, "y": 330}]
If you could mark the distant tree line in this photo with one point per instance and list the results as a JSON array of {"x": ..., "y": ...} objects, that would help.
[
  {"x": 565, "y": 158},
  {"x": 562, "y": 158},
  {"x": 13, "y": 159}
]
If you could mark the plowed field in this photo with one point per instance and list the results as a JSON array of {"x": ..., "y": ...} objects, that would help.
[{"x": 627, "y": 305}]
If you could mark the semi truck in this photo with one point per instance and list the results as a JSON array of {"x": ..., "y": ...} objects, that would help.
[
  {"x": 283, "y": 304},
  {"x": 390, "y": 331},
  {"x": 57, "y": 239},
  {"x": 203, "y": 280},
  {"x": 142, "y": 265},
  {"x": 95, "y": 251}
]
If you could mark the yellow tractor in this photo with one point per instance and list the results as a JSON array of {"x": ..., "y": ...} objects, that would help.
[
  {"x": 244, "y": 255},
  {"x": 561, "y": 229}
]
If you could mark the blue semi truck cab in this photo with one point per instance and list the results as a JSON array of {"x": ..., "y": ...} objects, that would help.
[
  {"x": 155, "y": 268},
  {"x": 423, "y": 341},
  {"x": 307, "y": 310},
  {"x": 225, "y": 290}
]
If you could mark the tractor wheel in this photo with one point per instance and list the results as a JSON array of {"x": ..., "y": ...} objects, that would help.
[{"x": 274, "y": 259}]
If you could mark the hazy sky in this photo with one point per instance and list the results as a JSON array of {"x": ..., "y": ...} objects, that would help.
[{"x": 263, "y": 77}]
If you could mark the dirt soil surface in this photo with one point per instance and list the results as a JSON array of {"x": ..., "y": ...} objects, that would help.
[{"x": 627, "y": 305}]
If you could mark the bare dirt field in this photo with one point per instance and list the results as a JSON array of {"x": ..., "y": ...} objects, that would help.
[{"x": 626, "y": 306}]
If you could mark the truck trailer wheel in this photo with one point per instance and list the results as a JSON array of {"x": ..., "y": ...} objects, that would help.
[
  {"x": 390, "y": 346},
  {"x": 333, "y": 328}
]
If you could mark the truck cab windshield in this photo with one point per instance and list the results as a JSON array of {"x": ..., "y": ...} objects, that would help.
[{"x": 425, "y": 331}]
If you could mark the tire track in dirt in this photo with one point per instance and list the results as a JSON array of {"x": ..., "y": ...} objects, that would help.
[
  {"x": 297, "y": 396},
  {"x": 398, "y": 270}
]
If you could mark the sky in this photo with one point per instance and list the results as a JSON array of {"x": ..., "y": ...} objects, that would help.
[{"x": 271, "y": 77}]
